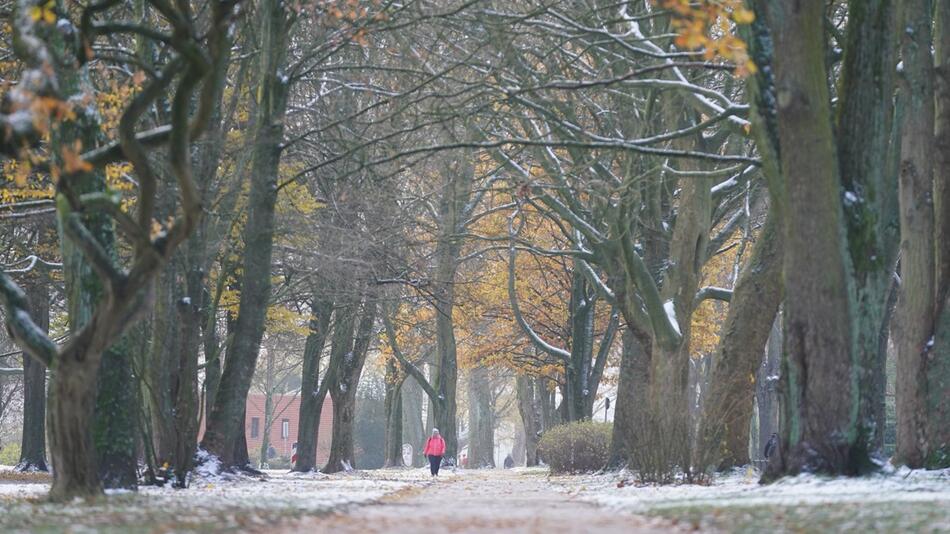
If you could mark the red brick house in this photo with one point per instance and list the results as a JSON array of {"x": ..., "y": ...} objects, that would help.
[{"x": 283, "y": 431}]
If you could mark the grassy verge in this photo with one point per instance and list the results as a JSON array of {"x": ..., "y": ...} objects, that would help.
[{"x": 898, "y": 517}]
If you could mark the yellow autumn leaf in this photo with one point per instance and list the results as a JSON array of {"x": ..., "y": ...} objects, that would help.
[
  {"x": 743, "y": 16},
  {"x": 44, "y": 13}
]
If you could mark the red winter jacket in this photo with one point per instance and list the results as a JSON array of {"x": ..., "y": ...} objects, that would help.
[{"x": 435, "y": 446}]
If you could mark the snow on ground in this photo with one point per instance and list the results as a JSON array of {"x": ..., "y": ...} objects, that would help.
[
  {"x": 741, "y": 488},
  {"x": 208, "y": 504}
]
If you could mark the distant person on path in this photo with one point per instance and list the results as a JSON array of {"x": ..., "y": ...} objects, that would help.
[
  {"x": 434, "y": 450},
  {"x": 509, "y": 462}
]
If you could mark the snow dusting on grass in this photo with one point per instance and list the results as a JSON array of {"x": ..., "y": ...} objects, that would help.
[
  {"x": 897, "y": 500},
  {"x": 210, "y": 505}
]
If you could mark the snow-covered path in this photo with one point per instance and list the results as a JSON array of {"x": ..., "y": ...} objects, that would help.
[{"x": 481, "y": 502}]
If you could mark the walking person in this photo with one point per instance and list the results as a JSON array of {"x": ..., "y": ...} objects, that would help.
[{"x": 434, "y": 450}]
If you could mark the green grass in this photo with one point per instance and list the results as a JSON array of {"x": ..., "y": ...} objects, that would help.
[
  {"x": 135, "y": 514},
  {"x": 898, "y": 517}
]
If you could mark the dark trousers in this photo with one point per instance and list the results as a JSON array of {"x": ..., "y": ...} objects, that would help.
[{"x": 434, "y": 463}]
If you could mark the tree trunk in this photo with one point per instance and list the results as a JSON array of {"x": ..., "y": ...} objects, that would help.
[
  {"x": 452, "y": 205},
  {"x": 187, "y": 407},
  {"x": 766, "y": 392},
  {"x": 938, "y": 363},
  {"x": 115, "y": 425},
  {"x": 413, "y": 428},
  {"x": 481, "y": 432},
  {"x": 33, "y": 442},
  {"x": 393, "y": 405},
  {"x": 311, "y": 402},
  {"x": 212, "y": 353},
  {"x": 867, "y": 160},
  {"x": 162, "y": 366},
  {"x": 225, "y": 422},
  {"x": 724, "y": 430},
  {"x": 818, "y": 375},
  {"x": 530, "y": 410},
  {"x": 578, "y": 369},
  {"x": 72, "y": 400},
  {"x": 343, "y": 388},
  {"x": 548, "y": 400},
  {"x": 915, "y": 304},
  {"x": 268, "y": 408},
  {"x": 520, "y": 446},
  {"x": 105, "y": 426},
  {"x": 194, "y": 308},
  {"x": 632, "y": 398}
]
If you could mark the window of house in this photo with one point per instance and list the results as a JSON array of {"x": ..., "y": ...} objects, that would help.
[
  {"x": 255, "y": 427},
  {"x": 285, "y": 428}
]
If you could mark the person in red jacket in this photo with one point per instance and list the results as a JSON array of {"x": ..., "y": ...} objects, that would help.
[{"x": 434, "y": 450}]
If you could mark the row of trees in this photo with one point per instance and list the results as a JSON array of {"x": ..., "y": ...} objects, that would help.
[{"x": 553, "y": 198}]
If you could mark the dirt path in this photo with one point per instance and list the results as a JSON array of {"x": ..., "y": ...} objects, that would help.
[{"x": 490, "y": 501}]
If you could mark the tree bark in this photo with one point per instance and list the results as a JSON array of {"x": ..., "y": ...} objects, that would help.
[
  {"x": 311, "y": 402},
  {"x": 225, "y": 422},
  {"x": 530, "y": 410},
  {"x": 343, "y": 388},
  {"x": 867, "y": 162},
  {"x": 915, "y": 304},
  {"x": 481, "y": 431},
  {"x": 393, "y": 409},
  {"x": 818, "y": 375},
  {"x": 115, "y": 423},
  {"x": 632, "y": 397},
  {"x": 33, "y": 441},
  {"x": 938, "y": 365},
  {"x": 452, "y": 206},
  {"x": 413, "y": 428},
  {"x": 766, "y": 391},
  {"x": 724, "y": 430},
  {"x": 161, "y": 373},
  {"x": 72, "y": 399}
]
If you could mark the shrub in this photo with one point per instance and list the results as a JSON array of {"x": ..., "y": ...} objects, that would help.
[
  {"x": 581, "y": 446},
  {"x": 10, "y": 453}
]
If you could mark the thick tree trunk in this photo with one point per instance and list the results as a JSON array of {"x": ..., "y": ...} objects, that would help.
[
  {"x": 311, "y": 402},
  {"x": 187, "y": 406},
  {"x": 631, "y": 399},
  {"x": 212, "y": 353},
  {"x": 667, "y": 436},
  {"x": 72, "y": 400},
  {"x": 341, "y": 444},
  {"x": 530, "y": 410},
  {"x": 225, "y": 422},
  {"x": 519, "y": 447},
  {"x": 413, "y": 429},
  {"x": 162, "y": 367},
  {"x": 818, "y": 375},
  {"x": 343, "y": 388},
  {"x": 724, "y": 430},
  {"x": 481, "y": 431},
  {"x": 578, "y": 369},
  {"x": 115, "y": 424},
  {"x": 393, "y": 410},
  {"x": 33, "y": 441},
  {"x": 915, "y": 304},
  {"x": 867, "y": 160},
  {"x": 548, "y": 399},
  {"x": 452, "y": 206},
  {"x": 938, "y": 364},
  {"x": 109, "y": 424}
]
